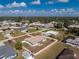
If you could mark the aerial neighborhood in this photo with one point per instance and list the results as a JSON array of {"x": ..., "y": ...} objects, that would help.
[
  {"x": 27, "y": 39},
  {"x": 39, "y": 29}
]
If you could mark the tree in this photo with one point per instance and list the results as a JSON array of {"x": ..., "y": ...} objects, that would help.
[
  {"x": 18, "y": 45},
  {"x": 66, "y": 23},
  {"x": 58, "y": 25},
  {"x": 74, "y": 31}
]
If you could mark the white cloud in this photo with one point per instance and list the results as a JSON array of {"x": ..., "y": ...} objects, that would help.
[
  {"x": 1, "y": 6},
  {"x": 36, "y": 2},
  {"x": 15, "y": 4},
  {"x": 30, "y": 12},
  {"x": 53, "y": 12},
  {"x": 43, "y": 12},
  {"x": 63, "y": 11},
  {"x": 64, "y": 1},
  {"x": 15, "y": 11},
  {"x": 50, "y": 2},
  {"x": 70, "y": 10}
]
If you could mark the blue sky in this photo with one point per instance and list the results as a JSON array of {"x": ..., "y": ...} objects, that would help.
[{"x": 39, "y": 7}]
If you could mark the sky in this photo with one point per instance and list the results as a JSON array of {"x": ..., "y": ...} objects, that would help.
[{"x": 39, "y": 7}]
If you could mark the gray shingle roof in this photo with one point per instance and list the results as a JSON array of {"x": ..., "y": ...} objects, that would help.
[
  {"x": 75, "y": 41},
  {"x": 6, "y": 51}
]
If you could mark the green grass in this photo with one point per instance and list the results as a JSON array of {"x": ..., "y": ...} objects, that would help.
[
  {"x": 2, "y": 37},
  {"x": 19, "y": 56},
  {"x": 61, "y": 35},
  {"x": 17, "y": 33},
  {"x": 45, "y": 30},
  {"x": 52, "y": 52},
  {"x": 21, "y": 38},
  {"x": 32, "y": 30}
]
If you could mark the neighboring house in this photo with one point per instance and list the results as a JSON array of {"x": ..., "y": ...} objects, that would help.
[
  {"x": 5, "y": 25},
  {"x": 49, "y": 25},
  {"x": 73, "y": 42},
  {"x": 24, "y": 27},
  {"x": 36, "y": 24},
  {"x": 67, "y": 54},
  {"x": 50, "y": 33},
  {"x": 6, "y": 31},
  {"x": 33, "y": 41},
  {"x": 11, "y": 25},
  {"x": 27, "y": 55},
  {"x": 74, "y": 26},
  {"x": 6, "y": 52}
]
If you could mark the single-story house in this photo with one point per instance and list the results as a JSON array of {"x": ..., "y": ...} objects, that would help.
[
  {"x": 37, "y": 24},
  {"x": 6, "y": 52},
  {"x": 49, "y": 25},
  {"x": 49, "y": 33},
  {"x": 73, "y": 42},
  {"x": 24, "y": 27},
  {"x": 5, "y": 24},
  {"x": 33, "y": 41},
  {"x": 74, "y": 26}
]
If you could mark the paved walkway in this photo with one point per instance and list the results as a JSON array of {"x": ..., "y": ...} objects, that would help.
[{"x": 26, "y": 49}]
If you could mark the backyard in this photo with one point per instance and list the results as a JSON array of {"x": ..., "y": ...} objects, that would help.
[
  {"x": 51, "y": 52},
  {"x": 17, "y": 33},
  {"x": 30, "y": 30}
]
